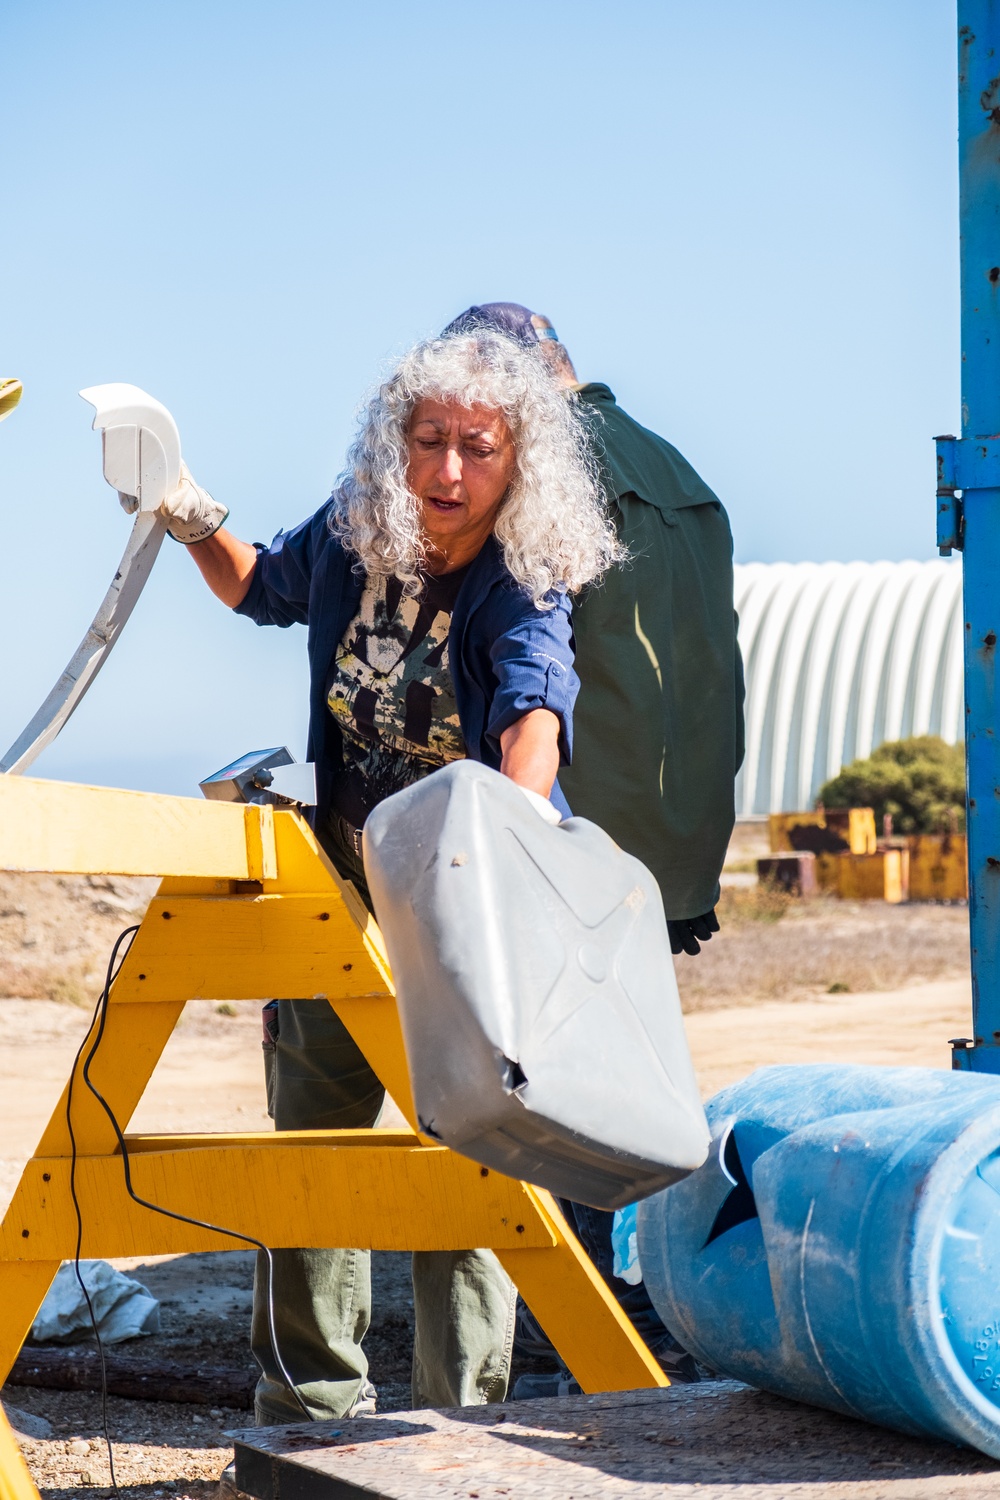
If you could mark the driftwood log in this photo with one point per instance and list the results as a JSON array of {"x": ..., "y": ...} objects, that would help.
[{"x": 80, "y": 1370}]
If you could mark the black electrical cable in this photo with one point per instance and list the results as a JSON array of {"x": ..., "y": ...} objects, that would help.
[
  {"x": 112, "y": 973},
  {"x": 100, "y": 1019}
]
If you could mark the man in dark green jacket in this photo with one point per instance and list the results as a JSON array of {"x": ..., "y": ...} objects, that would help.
[
  {"x": 658, "y": 732},
  {"x": 659, "y": 720}
]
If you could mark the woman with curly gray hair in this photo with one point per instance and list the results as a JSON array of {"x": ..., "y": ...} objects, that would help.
[
  {"x": 436, "y": 581},
  {"x": 435, "y": 584},
  {"x": 549, "y": 518}
]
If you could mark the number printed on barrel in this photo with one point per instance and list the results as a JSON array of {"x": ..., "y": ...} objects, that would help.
[{"x": 987, "y": 1355}]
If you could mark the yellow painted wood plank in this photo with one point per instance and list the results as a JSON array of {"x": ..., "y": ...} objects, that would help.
[
  {"x": 89, "y": 830},
  {"x": 23, "y": 1285},
  {"x": 262, "y": 857},
  {"x": 15, "y": 1481},
  {"x": 260, "y": 947},
  {"x": 256, "y": 947},
  {"x": 338, "y": 1140},
  {"x": 411, "y": 1197},
  {"x": 249, "y": 948},
  {"x": 303, "y": 866},
  {"x": 134, "y": 1037},
  {"x": 574, "y": 1305}
]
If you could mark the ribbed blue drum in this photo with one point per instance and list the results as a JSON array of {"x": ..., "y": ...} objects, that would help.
[{"x": 841, "y": 1245}]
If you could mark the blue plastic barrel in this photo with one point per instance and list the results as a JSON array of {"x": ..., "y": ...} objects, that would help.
[{"x": 841, "y": 1245}]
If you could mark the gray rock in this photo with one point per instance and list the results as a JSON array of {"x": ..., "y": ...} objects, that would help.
[{"x": 26, "y": 1423}]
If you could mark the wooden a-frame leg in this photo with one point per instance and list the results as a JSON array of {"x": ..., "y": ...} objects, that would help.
[
  {"x": 133, "y": 1040},
  {"x": 592, "y": 1335},
  {"x": 134, "y": 1037},
  {"x": 15, "y": 1481},
  {"x": 23, "y": 1285}
]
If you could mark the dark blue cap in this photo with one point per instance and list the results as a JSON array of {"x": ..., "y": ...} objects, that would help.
[{"x": 506, "y": 317}]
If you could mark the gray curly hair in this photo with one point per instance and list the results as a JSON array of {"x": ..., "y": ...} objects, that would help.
[{"x": 552, "y": 524}]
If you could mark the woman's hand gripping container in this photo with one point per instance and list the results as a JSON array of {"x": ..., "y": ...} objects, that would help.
[
  {"x": 841, "y": 1245},
  {"x": 536, "y": 990}
]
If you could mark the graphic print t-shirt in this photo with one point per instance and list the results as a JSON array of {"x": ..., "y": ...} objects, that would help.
[{"x": 391, "y": 692}]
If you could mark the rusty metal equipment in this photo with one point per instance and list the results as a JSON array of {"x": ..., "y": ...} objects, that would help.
[{"x": 794, "y": 873}]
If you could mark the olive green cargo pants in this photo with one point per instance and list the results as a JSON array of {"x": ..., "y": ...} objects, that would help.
[{"x": 463, "y": 1301}]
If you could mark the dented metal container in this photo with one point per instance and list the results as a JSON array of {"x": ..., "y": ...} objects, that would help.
[{"x": 536, "y": 990}]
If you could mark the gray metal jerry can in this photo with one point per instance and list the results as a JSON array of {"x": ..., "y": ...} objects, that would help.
[{"x": 536, "y": 990}]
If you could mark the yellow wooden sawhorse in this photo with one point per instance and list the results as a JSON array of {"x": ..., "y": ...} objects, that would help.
[
  {"x": 250, "y": 907},
  {"x": 15, "y": 1481}
]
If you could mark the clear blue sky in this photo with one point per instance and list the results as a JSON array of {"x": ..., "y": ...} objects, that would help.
[{"x": 742, "y": 217}]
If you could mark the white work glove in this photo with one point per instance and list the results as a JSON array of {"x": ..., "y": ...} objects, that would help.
[
  {"x": 189, "y": 511},
  {"x": 543, "y": 807}
]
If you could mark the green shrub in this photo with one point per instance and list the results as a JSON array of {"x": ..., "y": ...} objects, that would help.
[{"x": 920, "y": 781}]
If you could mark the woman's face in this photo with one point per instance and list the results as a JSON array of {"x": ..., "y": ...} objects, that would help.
[{"x": 461, "y": 461}]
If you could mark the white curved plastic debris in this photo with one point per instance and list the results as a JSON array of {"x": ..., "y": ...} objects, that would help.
[
  {"x": 142, "y": 447},
  {"x": 142, "y": 459},
  {"x": 123, "y": 1307}
]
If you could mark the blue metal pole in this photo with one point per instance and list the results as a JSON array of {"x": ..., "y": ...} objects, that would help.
[{"x": 971, "y": 466}]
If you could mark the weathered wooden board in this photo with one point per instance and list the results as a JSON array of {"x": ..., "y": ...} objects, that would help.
[{"x": 80, "y": 1369}]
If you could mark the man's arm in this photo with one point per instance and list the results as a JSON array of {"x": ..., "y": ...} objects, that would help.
[
  {"x": 530, "y": 750},
  {"x": 226, "y": 564}
]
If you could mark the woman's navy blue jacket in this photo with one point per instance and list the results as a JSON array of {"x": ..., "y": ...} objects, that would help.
[{"x": 506, "y": 656}]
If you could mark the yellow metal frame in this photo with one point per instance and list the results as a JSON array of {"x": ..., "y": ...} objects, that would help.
[{"x": 250, "y": 907}]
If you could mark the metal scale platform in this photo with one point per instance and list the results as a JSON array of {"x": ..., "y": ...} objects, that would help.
[{"x": 702, "y": 1440}]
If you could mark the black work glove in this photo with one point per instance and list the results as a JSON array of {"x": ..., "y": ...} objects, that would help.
[{"x": 688, "y": 936}]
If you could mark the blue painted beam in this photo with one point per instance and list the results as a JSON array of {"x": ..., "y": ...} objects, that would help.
[{"x": 971, "y": 465}]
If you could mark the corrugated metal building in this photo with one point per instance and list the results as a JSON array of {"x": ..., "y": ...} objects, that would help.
[{"x": 839, "y": 658}]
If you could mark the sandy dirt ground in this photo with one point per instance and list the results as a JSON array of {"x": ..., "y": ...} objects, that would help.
[
  {"x": 210, "y": 1078},
  {"x": 908, "y": 1027}
]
